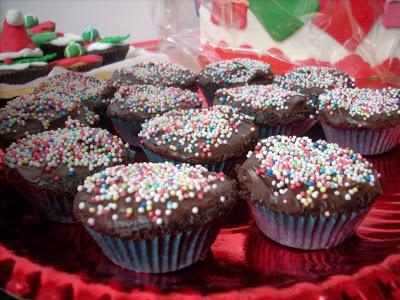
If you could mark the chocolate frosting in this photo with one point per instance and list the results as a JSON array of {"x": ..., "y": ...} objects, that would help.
[
  {"x": 360, "y": 108},
  {"x": 210, "y": 208},
  {"x": 239, "y": 143},
  {"x": 259, "y": 188},
  {"x": 162, "y": 73},
  {"x": 267, "y": 108}
]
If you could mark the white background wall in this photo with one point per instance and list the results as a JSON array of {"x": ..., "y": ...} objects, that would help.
[{"x": 110, "y": 17}]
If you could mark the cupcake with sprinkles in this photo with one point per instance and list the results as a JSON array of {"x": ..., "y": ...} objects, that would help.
[
  {"x": 155, "y": 217},
  {"x": 39, "y": 112},
  {"x": 48, "y": 167},
  {"x": 366, "y": 120},
  {"x": 273, "y": 109},
  {"x": 305, "y": 194},
  {"x": 89, "y": 89},
  {"x": 133, "y": 104},
  {"x": 217, "y": 137},
  {"x": 233, "y": 73},
  {"x": 312, "y": 81},
  {"x": 162, "y": 73}
]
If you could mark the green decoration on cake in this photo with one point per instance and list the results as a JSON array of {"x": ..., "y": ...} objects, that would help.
[
  {"x": 114, "y": 39},
  {"x": 30, "y": 21},
  {"x": 43, "y": 38},
  {"x": 282, "y": 18},
  {"x": 45, "y": 58},
  {"x": 90, "y": 34},
  {"x": 74, "y": 49}
]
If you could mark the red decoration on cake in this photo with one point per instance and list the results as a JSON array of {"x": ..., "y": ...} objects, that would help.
[
  {"x": 348, "y": 22},
  {"x": 14, "y": 37},
  {"x": 232, "y": 14},
  {"x": 43, "y": 27}
]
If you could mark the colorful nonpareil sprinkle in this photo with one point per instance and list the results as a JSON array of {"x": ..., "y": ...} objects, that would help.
[
  {"x": 162, "y": 73},
  {"x": 316, "y": 77},
  {"x": 198, "y": 131},
  {"x": 72, "y": 147},
  {"x": 154, "y": 99},
  {"x": 72, "y": 83},
  {"x": 42, "y": 107},
  {"x": 257, "y": 97},
  {"x": 238, "y": 70},
  {"x": 364, "y": 103},
  {"x": 311, "y": 170},
  {"x": 151, "y": 190}
]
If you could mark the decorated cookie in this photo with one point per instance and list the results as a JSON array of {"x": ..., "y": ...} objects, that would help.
[
  {"x": 49, "y": 166},
  {"x": 112, "y": 49},
  {"x": 144, "y": 209},
  {"x": 20, "y": 59},
  {"x": 305, "y": 194}
]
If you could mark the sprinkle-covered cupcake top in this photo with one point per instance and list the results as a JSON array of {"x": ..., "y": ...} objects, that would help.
[
  {"x": 315, "y": 80},
  {"x": 296, "y": 175},
  {"x": 154, "y": 198},
  {"x": 37, "y": 112},
  {"x": 371, "y": 108},
  {"x": 64, "y": 152},
  {"x": 161, "y": 73},
  {"x": 235, "y": 71},
  {"x": 199, "y": 135},
  {"x": 141, "y": 102},
  {"x": 260, "y": 101},
  {"x": 72, "y": 83}
]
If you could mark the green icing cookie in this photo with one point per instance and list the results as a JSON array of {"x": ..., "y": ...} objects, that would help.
[
  {"x": 281, "y": 18},
  {"x": 114, "y": 39},
  {"x": 90, "y": 34},
  {"x": 73, "y": 50},
  {"x": 30, "y": 21},
  {"x": 43, "y": 38},
  {"x": 45, "y": 58}
]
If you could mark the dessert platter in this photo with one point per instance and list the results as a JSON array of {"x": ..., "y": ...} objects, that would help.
[{"x": 164, "y": 183}]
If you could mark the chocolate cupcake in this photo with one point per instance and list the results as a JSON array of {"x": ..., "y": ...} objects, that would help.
[
  {"x": 87, "y": 88},
  {"x": 48, "y": 167},
  {"x": 366, "y": 120},
  {"x": 273, "y": 109},
  {"x": 232, "y": 73},
  {"x": 162, "y": 73},
  {"x": 58, "y": 44},
  {"x": 131, "y": 105},
  {"x": 218, "y": 137},
  {"x": 305, "y": 194},
  {"x": 313, "y": 81},
  {"x": 39, "y": 112},
  {"x": 110, "y": 48},
  {"x": 154, "y": 218}
]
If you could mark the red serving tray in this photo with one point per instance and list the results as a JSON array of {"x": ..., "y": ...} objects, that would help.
[{"x": 54, "y": 261}]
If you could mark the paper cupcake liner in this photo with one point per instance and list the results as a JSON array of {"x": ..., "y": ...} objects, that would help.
[
  {"x": 163, "y": 254},
  {"x": 86, "y": 67},
  {"x": 227, "y": 166},
  {"x": 128, "y": 131},
  {"x": 306, "y": 232},
  {"x": 364, "y": 141},
  {"x": 54, "y": 206},
  {"x": 297, "y": 129}
]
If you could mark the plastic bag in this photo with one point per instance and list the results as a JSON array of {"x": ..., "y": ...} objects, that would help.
[{"x": 360, "y": 37}]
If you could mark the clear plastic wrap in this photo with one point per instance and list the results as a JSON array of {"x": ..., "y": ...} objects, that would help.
[{"x": 360, "y": 37}]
